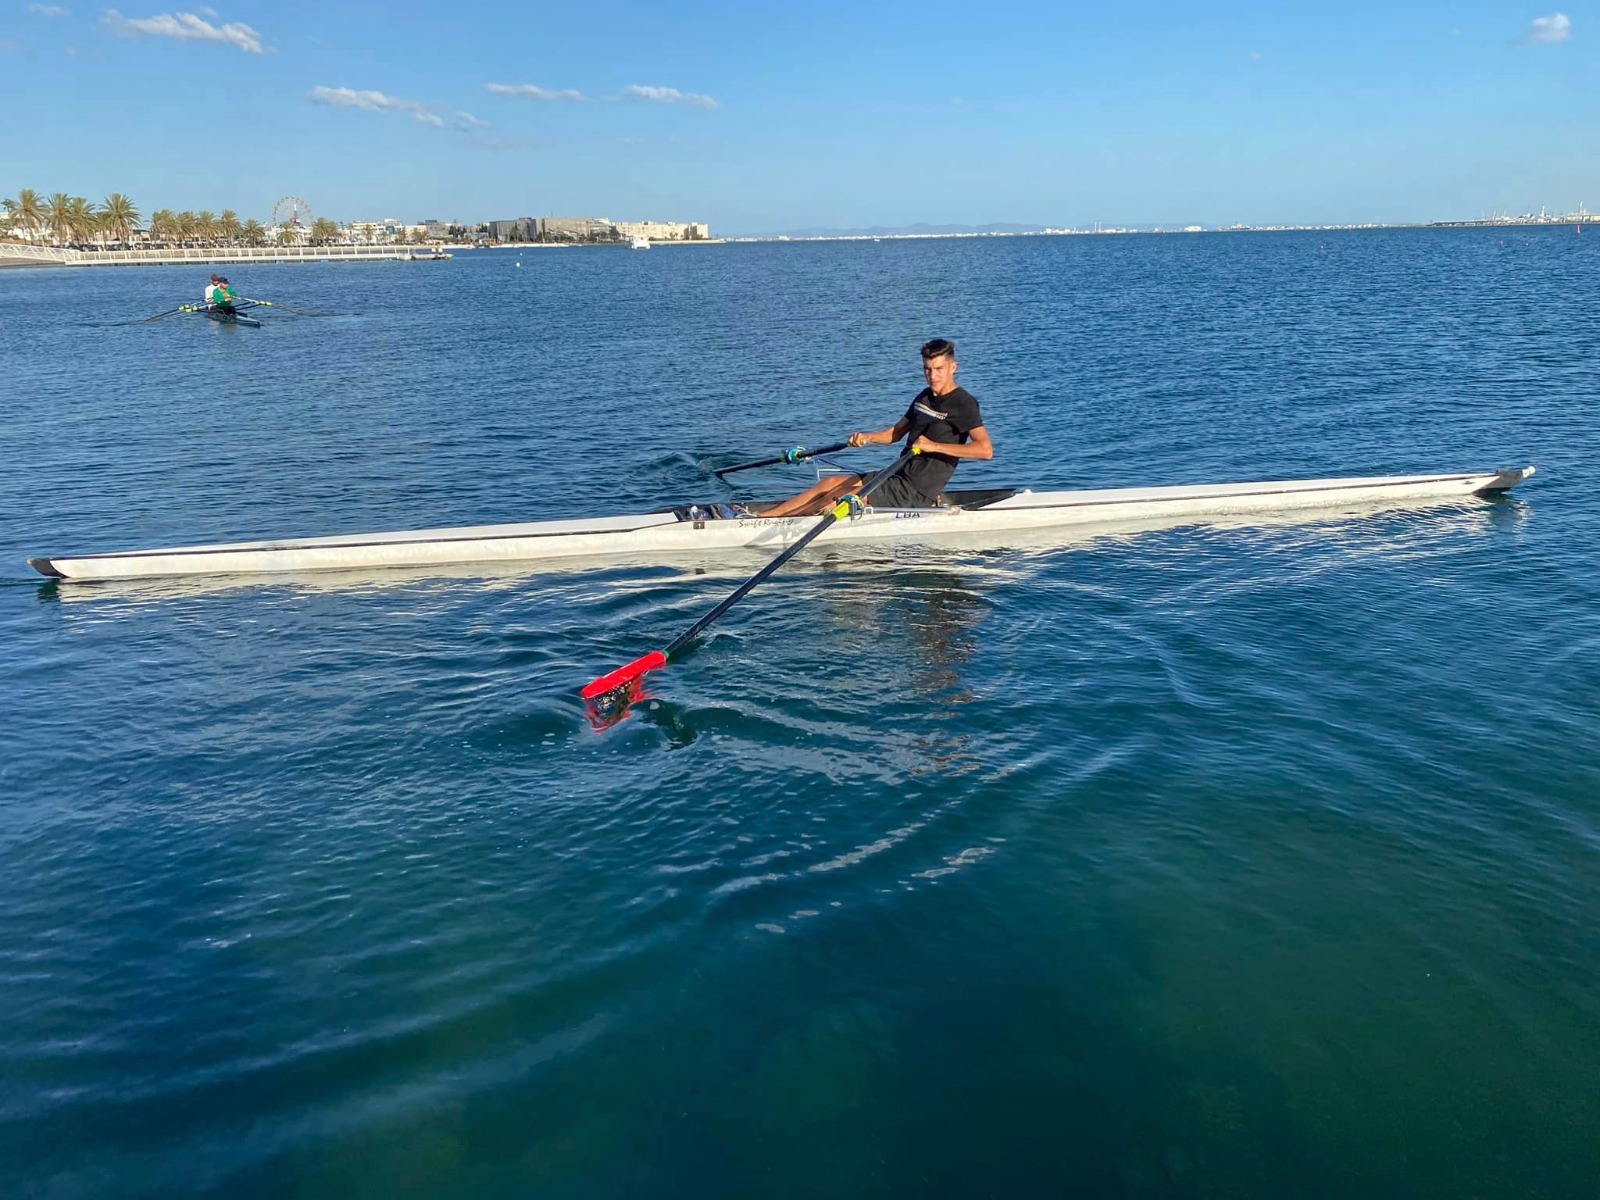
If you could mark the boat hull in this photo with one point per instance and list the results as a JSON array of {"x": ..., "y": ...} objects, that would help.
[
  {"x": 677, "y": 531},
  {"x": 222, "y": 318}
]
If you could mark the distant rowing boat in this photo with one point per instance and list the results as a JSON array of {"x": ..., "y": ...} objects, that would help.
[{"x": 990, "y": 515}]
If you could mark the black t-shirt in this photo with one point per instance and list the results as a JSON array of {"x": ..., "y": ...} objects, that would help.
[{"x": 948, "y": 418}]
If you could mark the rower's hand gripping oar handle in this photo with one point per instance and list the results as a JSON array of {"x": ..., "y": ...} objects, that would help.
[
  {"x": 611, "y": 692},
  {"x": 793, "y": 455}
]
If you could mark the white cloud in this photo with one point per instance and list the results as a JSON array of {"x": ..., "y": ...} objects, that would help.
[
  {"x": 380, "y": 102},
  {"x": 184, "y": 27},
  {"x": 49, "y": 10},
  {"x": 343, "y": 97},
  {"x": 532, "y": 91},
  {"x": 667, "y": 95},
  {"x": 1547, "y": 31}
]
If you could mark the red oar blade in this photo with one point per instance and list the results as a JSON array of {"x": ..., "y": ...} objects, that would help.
[{"x": 611, "y": 693}]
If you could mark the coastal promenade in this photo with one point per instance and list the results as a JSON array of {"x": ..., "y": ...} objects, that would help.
[{"x": 14, "y": 254}]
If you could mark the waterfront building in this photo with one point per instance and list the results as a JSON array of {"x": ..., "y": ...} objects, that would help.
[
  {"x": 373, "y": 233},
  {"x": 664, "y": 231},
  {"x": 574, "y": 229},
  {"x": 519, "y": 230},
  {"x": 594, "y": 229}
]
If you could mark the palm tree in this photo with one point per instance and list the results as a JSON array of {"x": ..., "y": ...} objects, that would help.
[
  {"x": 288, "y": 235},
  {"x": 163, "y": 224},
  {"x": 229, "y": 225},
  {"x": 205, "y": 224},
  {"x": 56, "y": 213},
  {"x": 188, "y": 226},
  {"x": 120, "y": 215},
  {"x": 253, "y": 234},
  {"x": 81, "y": 218},
  {"x": 10, "y": 206},
  {"x": 97, "y": 223},
  {"x": 323, "y": 231},
  {"x": 28, "y": 211}
]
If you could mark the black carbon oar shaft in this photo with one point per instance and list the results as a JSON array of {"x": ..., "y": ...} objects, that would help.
[{"x": 788, "y": 456}]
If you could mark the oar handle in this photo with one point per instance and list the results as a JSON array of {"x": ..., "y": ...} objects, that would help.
[
  {"x": 840, "y": 509},
  {"x": 793, "y": 455}
]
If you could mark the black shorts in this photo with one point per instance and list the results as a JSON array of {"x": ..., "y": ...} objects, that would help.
[{"x": 897, "y": 492}]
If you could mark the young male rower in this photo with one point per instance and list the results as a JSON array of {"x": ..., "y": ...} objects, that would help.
[
  {"x": 211, "y": 292},
  {"x": 225, "y": 297},
  {"x": 943, "y": 422}
]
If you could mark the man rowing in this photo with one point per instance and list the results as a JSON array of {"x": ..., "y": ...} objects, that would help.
[
  {"x": 224, "y": 297},
  {"x": 210, "y": 293},
  {"x": 943, "y": 422}
]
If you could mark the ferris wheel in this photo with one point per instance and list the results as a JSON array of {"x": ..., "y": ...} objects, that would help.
[{"x": 292, "y": 213}]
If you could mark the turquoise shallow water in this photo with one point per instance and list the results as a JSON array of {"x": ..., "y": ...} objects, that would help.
[{"x": 1251, "y": 860}]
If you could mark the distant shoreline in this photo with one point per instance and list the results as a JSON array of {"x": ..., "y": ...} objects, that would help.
[
  {"x": 26, "y": 256},
  {"x": 1129, "y": 230}
]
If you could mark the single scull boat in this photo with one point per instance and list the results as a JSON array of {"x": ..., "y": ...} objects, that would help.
[{"x": 694, "y": 528}]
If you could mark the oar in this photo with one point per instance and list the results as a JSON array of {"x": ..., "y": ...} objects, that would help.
[
  {"x": 610, "y": 693},
  {"x": 299, "y": 312},
  {"x": 797, "y": 454},
  {"x": 147, "y": 320}
]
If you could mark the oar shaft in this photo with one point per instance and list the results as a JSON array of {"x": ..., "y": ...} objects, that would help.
[
  {"x": 609, "y": 695},
  {"x": 821, "y": 527},
  {"x": 798, "y": 454}
]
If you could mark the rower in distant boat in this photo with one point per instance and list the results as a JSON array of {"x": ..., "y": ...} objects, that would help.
[
  {"x": 944, "y": 425},
  {"x": 224, "y": 297}
]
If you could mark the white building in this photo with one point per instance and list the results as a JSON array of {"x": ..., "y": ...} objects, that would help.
[
  {"x": 375, "y": 233},
  {"x": 664, "y": 231}
]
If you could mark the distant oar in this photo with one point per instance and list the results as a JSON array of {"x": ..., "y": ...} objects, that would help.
[
  {"x": 146, "y": 320},
  {"x": 609, "y": 694},
  {"x": 299, "y": 312},
  {"x": 797, "y": 454}
]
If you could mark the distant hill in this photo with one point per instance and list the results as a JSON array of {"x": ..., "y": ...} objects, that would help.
[{"x": 921, "y": 228}]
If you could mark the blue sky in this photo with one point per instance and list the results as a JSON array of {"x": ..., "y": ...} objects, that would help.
[{"x": 824, "y": 115}]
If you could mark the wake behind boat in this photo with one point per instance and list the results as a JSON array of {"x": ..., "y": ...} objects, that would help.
[{"x": 695, "y": 528}]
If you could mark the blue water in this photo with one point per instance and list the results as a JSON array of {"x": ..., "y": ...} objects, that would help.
[{"x": 1251, "y": 860}]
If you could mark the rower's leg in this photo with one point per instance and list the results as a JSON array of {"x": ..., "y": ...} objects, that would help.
[{"x": 816, "y": 499}]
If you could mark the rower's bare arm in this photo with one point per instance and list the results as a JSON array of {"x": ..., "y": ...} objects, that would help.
[
  {"x": 978, "y": 447},
  {"x": 883, "y": 437}
]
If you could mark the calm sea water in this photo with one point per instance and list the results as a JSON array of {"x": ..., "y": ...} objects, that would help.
[{"x": 1256, "y": 860}]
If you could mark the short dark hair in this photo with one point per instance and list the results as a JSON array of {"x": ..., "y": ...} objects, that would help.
[{"x": 938, "y": 348}]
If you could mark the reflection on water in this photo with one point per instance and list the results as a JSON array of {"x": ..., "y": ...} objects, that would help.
[{"x": 926, "y": 605}]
